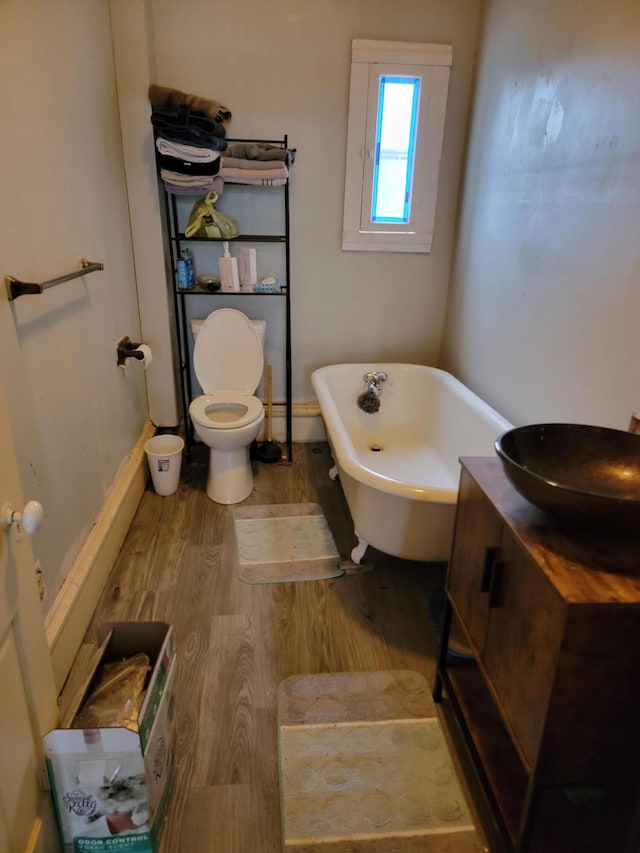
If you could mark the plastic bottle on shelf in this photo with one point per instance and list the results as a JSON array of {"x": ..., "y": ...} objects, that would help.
[
  {"x": 191, "y": 276},
  {"x": 247, "y": 267},
  {"x": 182, "y": 272},
  {"x": 228, "y": 267}
]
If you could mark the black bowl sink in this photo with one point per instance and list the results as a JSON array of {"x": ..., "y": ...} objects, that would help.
[{"x": 587, "y": 476}]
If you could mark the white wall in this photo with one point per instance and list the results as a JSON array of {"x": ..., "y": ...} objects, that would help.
[
  {"x": 75, "y": 415},
  {"x": 68, "y": 111},
  {"x": 545, "y": 297},
  {"x": 285, "y": 68}
]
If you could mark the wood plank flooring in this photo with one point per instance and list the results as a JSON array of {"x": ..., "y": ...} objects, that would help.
[{"x": 236, "y": 642}]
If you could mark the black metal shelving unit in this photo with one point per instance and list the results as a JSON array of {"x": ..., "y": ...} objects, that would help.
[{"x": 176, "y": 243}]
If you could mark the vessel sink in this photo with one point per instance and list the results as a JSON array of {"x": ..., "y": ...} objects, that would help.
[{"x": 587, "y": 476}]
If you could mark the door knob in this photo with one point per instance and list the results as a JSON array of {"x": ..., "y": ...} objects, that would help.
[{"x": 29, "y": 519}]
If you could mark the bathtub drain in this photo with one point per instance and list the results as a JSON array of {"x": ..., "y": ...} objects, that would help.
[{"x": 376, "y": 448}]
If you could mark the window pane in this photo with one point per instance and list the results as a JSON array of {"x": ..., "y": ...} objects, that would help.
[{"x": 398, "y": 99}]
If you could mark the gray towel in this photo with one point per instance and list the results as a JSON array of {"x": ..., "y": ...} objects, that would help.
[{"x": 261, "y": 151}]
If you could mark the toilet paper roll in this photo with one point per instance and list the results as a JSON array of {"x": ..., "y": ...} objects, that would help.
[{"x": 147, "y": 356}]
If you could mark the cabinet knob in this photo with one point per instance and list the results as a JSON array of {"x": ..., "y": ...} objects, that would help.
[{"x": 29, "y": 519}]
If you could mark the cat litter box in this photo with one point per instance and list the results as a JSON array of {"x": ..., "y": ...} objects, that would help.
[{"x": 110, "y": 765}]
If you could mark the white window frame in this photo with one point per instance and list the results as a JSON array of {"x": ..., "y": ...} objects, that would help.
[{"x": 369, "y": 61}]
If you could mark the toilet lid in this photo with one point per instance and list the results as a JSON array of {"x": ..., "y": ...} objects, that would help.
[{"x": 227, "y": 353}]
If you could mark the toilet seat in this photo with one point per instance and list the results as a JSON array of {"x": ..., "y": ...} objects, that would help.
[
  {"x": 227, "y": 417},
  {"x": 227, "y": 354},
  {"x": 225, "y": 410}
]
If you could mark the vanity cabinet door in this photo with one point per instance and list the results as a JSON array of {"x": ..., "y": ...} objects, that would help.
[
  {"x": 550, "y": 710},
  {"x": 522, "y": 644},
  {"x": 473, "y": 560},
  {"x": 510, "y": 612}
]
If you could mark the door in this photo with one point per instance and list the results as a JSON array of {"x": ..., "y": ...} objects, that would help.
[
  {"x": 475, "y": 548},
  {"x": 523, "y": 643},
  {"x": 28, "y": 705}
]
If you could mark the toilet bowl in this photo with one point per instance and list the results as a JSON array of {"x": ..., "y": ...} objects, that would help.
[{"x": 227, "y": 417}]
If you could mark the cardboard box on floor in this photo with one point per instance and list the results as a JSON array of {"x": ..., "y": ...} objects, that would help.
[{"x": 111, "y": 786}]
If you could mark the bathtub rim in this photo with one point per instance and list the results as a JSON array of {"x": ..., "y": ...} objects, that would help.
[{"x": 342, "y": 447}]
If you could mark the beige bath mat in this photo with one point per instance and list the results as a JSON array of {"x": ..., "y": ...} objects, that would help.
[
  {"x": 284, "y": 542},
  {"x": 364, "y": 768}
]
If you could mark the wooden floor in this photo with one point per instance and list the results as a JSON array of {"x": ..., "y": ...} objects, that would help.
[{"x": 237, "y": 642}]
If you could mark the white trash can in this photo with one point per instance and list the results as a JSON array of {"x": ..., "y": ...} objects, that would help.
[{"x": 164, "y": 455}]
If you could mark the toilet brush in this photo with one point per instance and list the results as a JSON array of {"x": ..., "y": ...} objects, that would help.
[{"x": 269, "y": 451}]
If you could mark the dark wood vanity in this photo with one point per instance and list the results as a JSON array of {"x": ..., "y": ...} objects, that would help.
[{"x": 549, "y": 710}]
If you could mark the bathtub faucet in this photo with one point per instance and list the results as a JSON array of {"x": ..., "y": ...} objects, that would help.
[{"x": 374, "y": 381}]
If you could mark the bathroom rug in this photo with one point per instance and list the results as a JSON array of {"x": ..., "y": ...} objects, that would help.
[
  {"x": 364, "y": 766},
  {"x": 285, "y": 542}
]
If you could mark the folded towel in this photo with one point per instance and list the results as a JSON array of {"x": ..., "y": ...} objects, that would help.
[
  {"x": 171, "y": 100},
  {"x": 192, "y": 136},
  {"x": 192, "y": 153},
  {"x": 186, "y": 167},
  {"x": 216, "y": 184},
  {"x": 261, "y": 151},
  {"x": 184, "y": 180},
  {"x": 255, "y": 176},
  {"x": 262, "y": 165},
  {"x": 255, "y": 182},
  {"x": 190, "y": 120}
]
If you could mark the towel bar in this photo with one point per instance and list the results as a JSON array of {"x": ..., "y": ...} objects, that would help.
[{"x": 17, "y": 288}]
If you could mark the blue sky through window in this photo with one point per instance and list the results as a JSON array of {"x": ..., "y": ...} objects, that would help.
[{"x": 398, "y": 99}]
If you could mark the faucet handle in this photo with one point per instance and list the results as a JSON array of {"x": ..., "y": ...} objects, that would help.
[{"x": 375, "y": 376}]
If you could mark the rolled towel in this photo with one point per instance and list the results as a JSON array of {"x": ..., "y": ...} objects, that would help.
[
  {"x": 262, "y": 165},
  {"x": 171, "y": 100},
  {"x": 262, "y": 151}
]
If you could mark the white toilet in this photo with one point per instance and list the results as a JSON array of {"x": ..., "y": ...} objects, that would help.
[{"x": 227, "y": 417}]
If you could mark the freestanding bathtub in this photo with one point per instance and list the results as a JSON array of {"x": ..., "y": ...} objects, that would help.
[{"x": 399, "y": 467}]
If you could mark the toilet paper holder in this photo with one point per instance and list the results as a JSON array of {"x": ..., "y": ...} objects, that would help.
[{"x": 127, "y": 349}]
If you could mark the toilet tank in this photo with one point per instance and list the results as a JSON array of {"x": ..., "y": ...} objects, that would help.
[{"x": 259, "y": 325}]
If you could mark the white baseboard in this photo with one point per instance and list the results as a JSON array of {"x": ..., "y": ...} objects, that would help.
[
  {"x": 307, "y": 423},
  {"x": 73, "y": 609}
]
